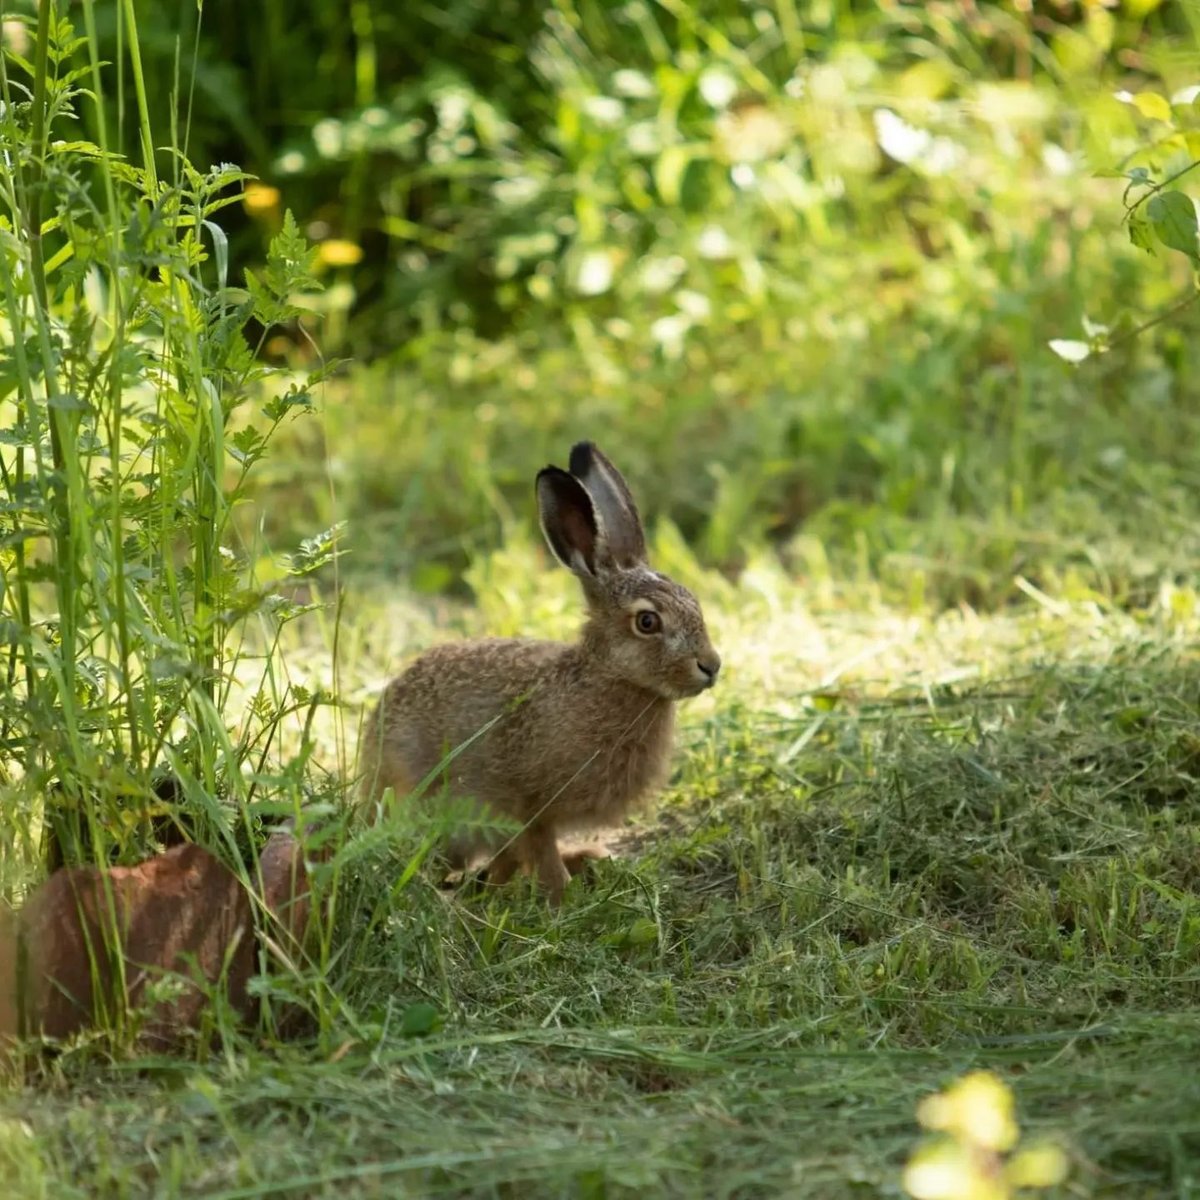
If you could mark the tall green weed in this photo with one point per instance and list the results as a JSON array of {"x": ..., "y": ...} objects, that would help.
[{"x": 135, "y": 410}]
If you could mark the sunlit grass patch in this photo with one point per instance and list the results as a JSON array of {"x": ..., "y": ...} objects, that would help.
[{"x": 898, "y": 844}]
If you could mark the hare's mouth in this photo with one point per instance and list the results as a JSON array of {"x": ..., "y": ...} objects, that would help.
[{"x": 697, "y": 684}]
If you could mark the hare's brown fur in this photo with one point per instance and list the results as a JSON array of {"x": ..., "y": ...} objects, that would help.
[{"x": 560, "y": 738}]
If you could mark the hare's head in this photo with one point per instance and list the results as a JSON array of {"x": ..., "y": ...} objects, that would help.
[{"x": 642, "y": 627}]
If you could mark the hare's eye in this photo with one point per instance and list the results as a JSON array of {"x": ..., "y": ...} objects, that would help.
[{"x": 647, "y": 622}]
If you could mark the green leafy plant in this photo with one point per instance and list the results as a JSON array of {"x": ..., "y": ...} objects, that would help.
[
  {"x": 1160, "y": 212},
  {"x": 129, "y": 386}
]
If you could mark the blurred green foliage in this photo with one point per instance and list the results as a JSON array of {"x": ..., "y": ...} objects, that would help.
[
  {"x": 501, "y": 162},
  {"x": 809, "y": 271}
]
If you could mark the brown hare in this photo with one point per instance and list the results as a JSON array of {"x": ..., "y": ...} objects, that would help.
[{"x": 560, "y": 738}]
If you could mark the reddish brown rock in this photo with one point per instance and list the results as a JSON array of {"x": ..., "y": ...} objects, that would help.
[
  {"x": 285, "y": 892},
  {"x": 94, "y": 939},
  {"x": 90, "y": 942},
  {"x": 8, "y": 975}
]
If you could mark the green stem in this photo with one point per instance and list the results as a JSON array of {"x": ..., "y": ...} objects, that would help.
[
  {"x": 116, "y": 517},
  {"x": 24, "y": 404},
  {"x": 25, "y": 409},
  {"x": 1158, "y": 187},
  {"x": 66, "y": 574},
  {"x": 139, "y": 87}
]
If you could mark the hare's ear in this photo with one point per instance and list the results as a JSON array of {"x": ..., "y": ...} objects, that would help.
[
  {"x": 568, "y": 520},
  {"x": 625, "y": 541}
]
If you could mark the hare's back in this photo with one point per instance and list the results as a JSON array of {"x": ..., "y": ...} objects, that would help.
[{"x": 453, "y": 691}]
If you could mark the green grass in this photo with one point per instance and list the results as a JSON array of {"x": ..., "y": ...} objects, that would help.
[
  {"x": 897, "y": 847},
  {"x": 941, "y": 812}
]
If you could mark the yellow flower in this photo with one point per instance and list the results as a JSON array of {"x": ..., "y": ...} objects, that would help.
[
  {"x": 338, "y": 252},
  {"x": 15, "y": 36},
  {"x": 1039, "y": 1165},
  {"x": 978, "y": 1109},
  {"x": 260, "y": 198},
  {"x": 976, "y": 1118},
  {"x": 948, "y": 1170}
]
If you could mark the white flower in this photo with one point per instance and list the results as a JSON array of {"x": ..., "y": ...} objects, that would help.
[
  {"x": 518, "y": 190},
  {"x": 743, "y": 176},
  {"x": 327, "y": 136},
  {"x": 717, "y": 87},
  {"x": 644, "y": 139},
  {"x": 1057, "y": 160},
  {"x": 594, "y": 275},
  {"x": 714, "y": 243},
  {"x": 604, "y": 110},
  {"x": 660, "y": 274},
  {"x": 694, "y": 305},
  {"x": 898, "y": 139},
  {"x": 632, "y": 84},
  {"x": 915, "y": 147},
  {"x": 669, "y": 333}
]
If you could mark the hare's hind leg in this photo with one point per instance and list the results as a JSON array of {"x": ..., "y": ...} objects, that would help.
[
  {"x": 379, "y": 768},
  {"x": 540, "y": 848},
  {"x": 535, "y": 850}
]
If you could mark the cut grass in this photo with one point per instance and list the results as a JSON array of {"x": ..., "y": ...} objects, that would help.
[{"x": 897, "y": 847}]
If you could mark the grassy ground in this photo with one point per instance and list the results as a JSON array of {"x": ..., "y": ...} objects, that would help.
[
  {"x": 940, "y": 814},
  {"x": 898, "y": 845}
]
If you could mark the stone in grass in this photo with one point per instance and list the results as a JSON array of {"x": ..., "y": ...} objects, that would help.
[{"x": 180, "y": 916}]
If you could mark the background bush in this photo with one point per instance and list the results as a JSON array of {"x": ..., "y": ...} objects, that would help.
[
  {"x": 497, "y": 161},
  {"x": 797, "y": 265},
  {"x": 800, "y": 268}
]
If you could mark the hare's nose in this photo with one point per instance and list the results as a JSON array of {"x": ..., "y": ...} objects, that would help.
[{"x": 709, "y": 666}]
